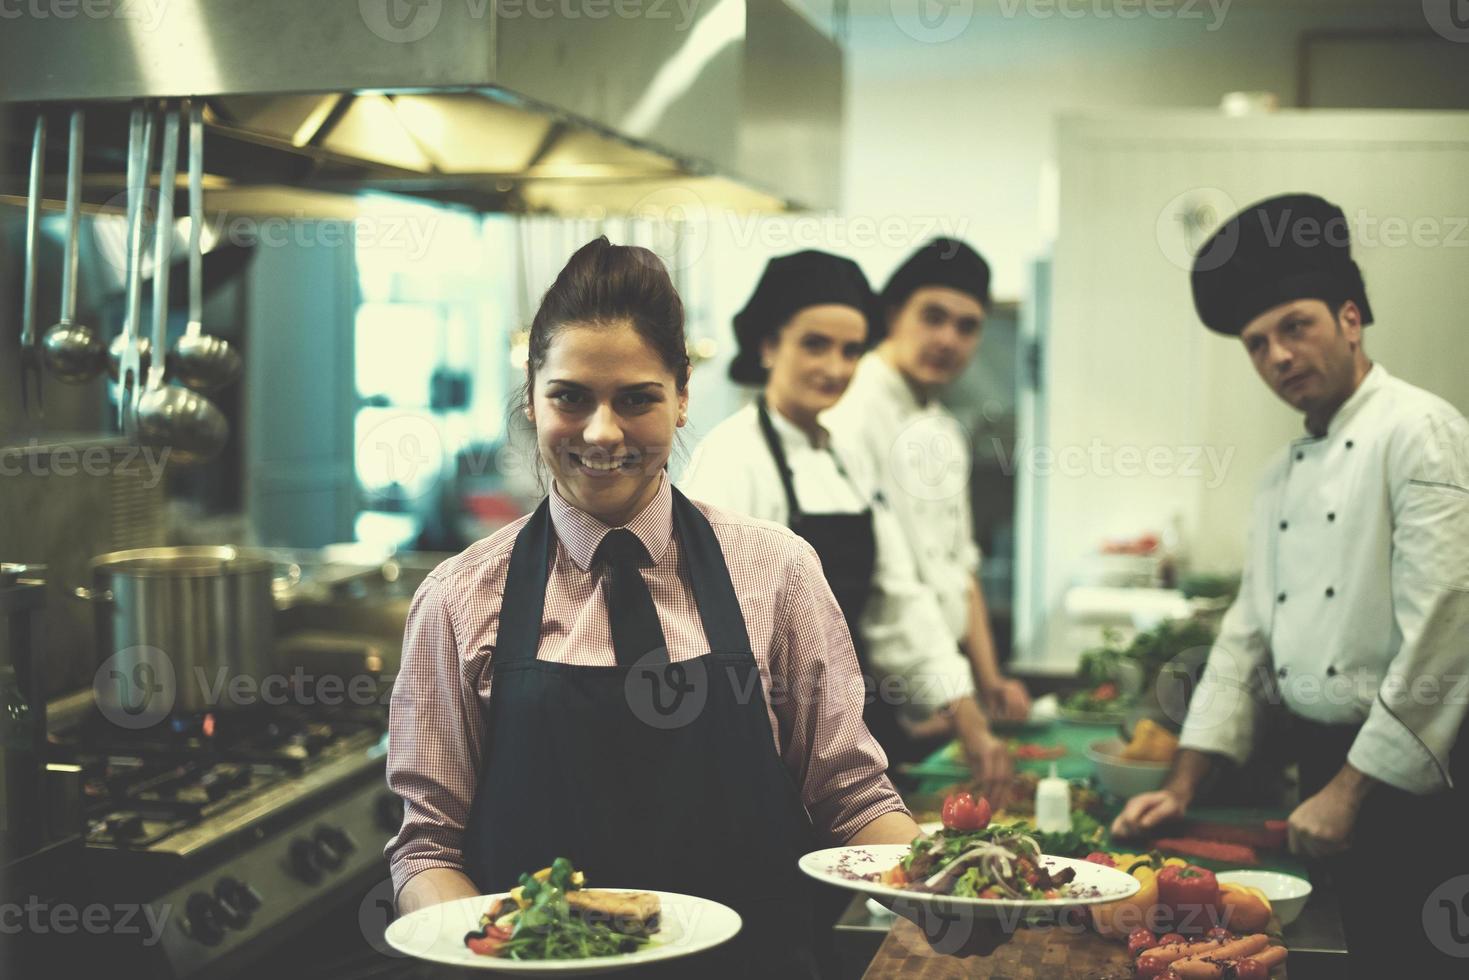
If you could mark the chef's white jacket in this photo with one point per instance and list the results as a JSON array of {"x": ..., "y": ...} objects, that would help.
[
  {"x": 919, "y": 454},
  {"x": 903, "y": 627},
  {"x": 1354, "y": 605}
]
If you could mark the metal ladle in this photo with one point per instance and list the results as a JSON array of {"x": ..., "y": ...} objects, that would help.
[
  {"x": 201, "y": 361},
  {"x": 183, "y": 422},
  {"x": 30, "y": 356},
  {"x": 73, "y": 351}
]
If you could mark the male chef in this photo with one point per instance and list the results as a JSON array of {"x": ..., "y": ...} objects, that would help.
[
  {"x": 1353, "y": 611},
  {"x": 933, "y": 309}
]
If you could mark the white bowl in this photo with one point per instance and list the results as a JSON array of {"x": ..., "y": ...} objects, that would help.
[
  {"x": 1124, "y": 777},
  {"x": 1287, "y": 893}
]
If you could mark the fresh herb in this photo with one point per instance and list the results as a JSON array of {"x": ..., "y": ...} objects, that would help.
[{"x": 1083, "y": 837}]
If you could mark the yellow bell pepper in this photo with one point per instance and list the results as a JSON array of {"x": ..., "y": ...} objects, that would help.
[{"x": 1116, "y": 919}]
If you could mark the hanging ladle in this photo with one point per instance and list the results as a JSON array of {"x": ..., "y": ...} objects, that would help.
[
  {"x": 73, "y": 351},
  {"x": 30, "y": 355},
  {"x": 183, "y": 422},
  {"x": 201, "y": 361}
]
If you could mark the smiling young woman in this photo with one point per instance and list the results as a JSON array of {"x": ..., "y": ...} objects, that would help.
[{"x": 522, "y": 728}]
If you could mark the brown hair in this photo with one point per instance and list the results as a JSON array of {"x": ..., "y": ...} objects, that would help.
[{"x": 603, "y": 284}]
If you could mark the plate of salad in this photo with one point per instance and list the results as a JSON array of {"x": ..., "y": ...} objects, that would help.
[
  {"x": 967, "y": 860},
  {"x": 552, "y": 923}
]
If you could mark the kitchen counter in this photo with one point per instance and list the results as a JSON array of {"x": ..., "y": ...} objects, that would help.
[{"x": 874, "y": 943}]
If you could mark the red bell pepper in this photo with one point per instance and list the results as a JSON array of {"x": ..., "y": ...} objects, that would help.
[{"x": 1192, "y": 893}]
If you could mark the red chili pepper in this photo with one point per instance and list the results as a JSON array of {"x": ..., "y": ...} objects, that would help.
[{"x": 963, "y": 812}]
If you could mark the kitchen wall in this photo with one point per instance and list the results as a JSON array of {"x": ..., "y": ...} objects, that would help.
[{"x": 955, "y": 116}]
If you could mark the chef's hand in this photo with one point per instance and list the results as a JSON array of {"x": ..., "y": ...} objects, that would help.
[
  {"x": 1007, "y": 700},
  {"x": 1146, "y": 811},
  {"x": 988, "y": 756},
  {"x": 1322, "y": 825}
]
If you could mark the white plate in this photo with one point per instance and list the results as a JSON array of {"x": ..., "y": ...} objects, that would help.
[
  {"x": 687, "y": 925},
  {"x": 847, "y": 867}
]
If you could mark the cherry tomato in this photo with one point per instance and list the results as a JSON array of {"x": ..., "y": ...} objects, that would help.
[
  {"x": 1140, "y": 939},
  {"x": 1101, "y": 857},
  {"x": 1105, "y": 692},
  {"x": 963, "y": 812},
  {"x": 1220, "y": 933},
  {"x": 1251, "y": 969},
  {"x": 1171, "y": 937},
  {"x": 486, "y": 945},
  {"x": 1148, "y": 967}
]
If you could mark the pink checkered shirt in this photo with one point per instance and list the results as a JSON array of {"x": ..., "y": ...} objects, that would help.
[{"x": 436, "y": 726}]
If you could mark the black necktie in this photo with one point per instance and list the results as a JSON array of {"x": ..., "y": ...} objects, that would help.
[{"x": 630, "y": 610}]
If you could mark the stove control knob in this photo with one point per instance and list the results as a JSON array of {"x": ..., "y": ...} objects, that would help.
[
  {"x": 237, "y": 900},
  {"x": 302, "y": 857},
  {"x": 203, "y": 918},
  {"x": 390, "y": 812},
  {"x": 332, "y": 845}
]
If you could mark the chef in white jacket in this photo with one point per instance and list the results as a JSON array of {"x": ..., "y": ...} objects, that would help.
[
  {"x": 1353, "y": 612},
  {"x": 931, "y": 314},
  {"x": 800, "y": 337}
]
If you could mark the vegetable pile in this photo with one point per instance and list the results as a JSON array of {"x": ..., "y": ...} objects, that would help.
[{"x": 536, "y": 922}]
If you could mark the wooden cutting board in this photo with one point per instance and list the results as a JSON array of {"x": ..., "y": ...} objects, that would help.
[{"x": 1040, "y": 953}]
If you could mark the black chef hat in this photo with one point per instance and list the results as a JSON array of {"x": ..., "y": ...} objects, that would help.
[
  {"x": 789, "y": 284},
  {"x": 945, "y": 262},
  {"x": 1296, "y": 246}
]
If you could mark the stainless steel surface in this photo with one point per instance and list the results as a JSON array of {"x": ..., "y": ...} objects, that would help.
[
  {"x": 482, "y": 104},
  {"x": 179, "y": 421},
  {"x": 207, "y": 610},
  {"x": 67, "y": 500},
  {"x": 30, "y": 357},
  {"x": 73, "y": 351},
  {"x": 200, "y": 361}
]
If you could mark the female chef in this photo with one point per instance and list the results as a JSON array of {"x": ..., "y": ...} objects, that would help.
[
  {"x": 800, "y": 337},
  {"x": 661, "y": 691}
]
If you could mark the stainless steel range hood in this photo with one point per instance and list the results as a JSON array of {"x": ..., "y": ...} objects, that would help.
[{"x": 570, "y": 106}]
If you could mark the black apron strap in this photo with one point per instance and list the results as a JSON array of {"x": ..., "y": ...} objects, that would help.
[
  {"x": 787, "y": 480},
  {"x": 519, "y": 634},
  {"x": 714, "y": 594}
]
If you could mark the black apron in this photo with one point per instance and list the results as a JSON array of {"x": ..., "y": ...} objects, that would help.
[
  {"x": 844, "y": 542},
  {"x": 847, "y": 547},
  {"x": 637, "y": 788},
  {"x": 1404, "y": 848}
]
